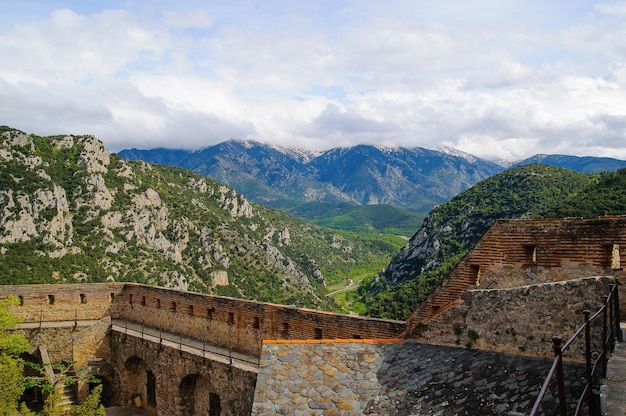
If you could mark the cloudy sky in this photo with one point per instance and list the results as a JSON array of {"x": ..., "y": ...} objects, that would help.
[{"x": 495, "y": 78}]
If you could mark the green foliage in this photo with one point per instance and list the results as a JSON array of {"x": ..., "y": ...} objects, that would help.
[
  {"x": 522, "y": 192},
  {"x": 605, "y": 197},
  {"x": 51, "y": 406},
  {"x": 361, "y": 219},
  {"x": 11, "y": 344},
  {"x": 91, "y": 406},
  {"x": 11, "y": 387},
  {"x": 399, "y": 301},
  {"x": 472, "y": 335},
  {"x": 11, "y": 365}
]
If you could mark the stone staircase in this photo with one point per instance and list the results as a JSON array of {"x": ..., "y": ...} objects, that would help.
[{"x": 67, "y": 393}]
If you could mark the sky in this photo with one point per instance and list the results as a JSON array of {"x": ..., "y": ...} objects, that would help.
[{"x": 500, "y": 79}]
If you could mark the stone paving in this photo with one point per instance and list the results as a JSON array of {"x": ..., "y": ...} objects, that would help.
[
  {"x": 614, "y": 386},
  {"x": 396, "y": 378}
]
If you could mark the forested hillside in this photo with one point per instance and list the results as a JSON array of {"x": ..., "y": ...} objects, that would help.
[
  {"x": 451, "y": 229},
  {"x": 72, "y": 212},
  {"x": 607, "y": 197},
  {"x": 361, "y": 219}
]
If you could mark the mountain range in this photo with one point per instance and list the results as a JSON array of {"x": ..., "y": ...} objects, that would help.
[
  {"x": 72, "y": 212},
  {"x": 362, "y": 188},
  {"x": 414, "y": 179}
]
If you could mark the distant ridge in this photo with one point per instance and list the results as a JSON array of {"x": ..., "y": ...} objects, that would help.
[
  {"x": 333, "y": 187},
  {"x": 583, "y": 164},
  {"x": 414, "y": 179}
]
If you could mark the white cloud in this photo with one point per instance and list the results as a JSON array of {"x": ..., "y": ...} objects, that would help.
[
  {"x": 496, "y": 79},
  {"x": 616, "y": 9},
  {"x": 188, "y": 19}
]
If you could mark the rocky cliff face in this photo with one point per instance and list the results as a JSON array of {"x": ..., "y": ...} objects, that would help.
[
  {"x": 70, "y": 211},
  {"x": 451, "y": 229}
]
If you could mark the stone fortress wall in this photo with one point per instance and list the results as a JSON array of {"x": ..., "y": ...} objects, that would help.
[
  {"x": 517, "y": 253},
  {"x": 519, "y": 320},
  {"x": 239, "y": 324},
  {"x": 523, "y": 282},
  {"x": 72, "y": 323},
  {"x": 48, "y": 303}
]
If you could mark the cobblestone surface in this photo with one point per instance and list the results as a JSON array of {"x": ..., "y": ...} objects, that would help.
[
  {"x": 405, "y": 378},
  {"x": 614, "y": 386}
]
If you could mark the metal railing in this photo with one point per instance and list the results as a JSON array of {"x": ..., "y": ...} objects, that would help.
[
  {"x": 184, "y": 343},
  {"x": 595, "y": 361}
]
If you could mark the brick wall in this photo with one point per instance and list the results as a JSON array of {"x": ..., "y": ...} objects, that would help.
[
  {"x": 515, "y": 253},
  {"x": 240, "y": 324}
]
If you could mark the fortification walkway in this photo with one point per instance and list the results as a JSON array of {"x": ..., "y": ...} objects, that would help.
[
  {"x": 615, "y": 383},
  {"x": 193, "y": 346},
  {"x": 167, "y": 338}
]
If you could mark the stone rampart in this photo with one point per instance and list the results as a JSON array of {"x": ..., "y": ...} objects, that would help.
[
  {"x": 239, "y": 324},
  {"x": 520, "y": 320},
  {"x": 234, "y": 323},
  {"x": 515, "y": 253},
  {"x": 63, "y": 302},
  {"x": 169, "y": 382}
]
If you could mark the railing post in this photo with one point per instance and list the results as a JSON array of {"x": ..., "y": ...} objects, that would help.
[
  {"x": 610, "y": 335},
  {"x": 559, "y": 375},
  {"x": 589, "y": 374},
  {"x": 618, "y": 330},
  {"x": 607, "y": 334}
]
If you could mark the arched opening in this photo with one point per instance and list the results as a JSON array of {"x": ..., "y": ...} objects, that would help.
[
  {"x": 106, "y": 397},
  {"x": 139, "y": 384},
  {"x": 151, "y": 389},
  {"x": 198, "y": 397}
]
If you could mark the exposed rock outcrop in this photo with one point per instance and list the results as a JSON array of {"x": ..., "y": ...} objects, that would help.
[{"x": 67, "y": 196}]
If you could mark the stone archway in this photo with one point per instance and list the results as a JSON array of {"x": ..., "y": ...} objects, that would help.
[
  {"x": 106, "y": 397},
  {"x": 103, "y": 374},
  {"x": 139, "y": 384},
  {"x": 197, "y": 397}
]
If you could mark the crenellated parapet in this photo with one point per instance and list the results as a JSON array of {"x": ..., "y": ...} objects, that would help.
[
  {"x": 239, "y": 324},
  {"x": 515, "y": 253}
]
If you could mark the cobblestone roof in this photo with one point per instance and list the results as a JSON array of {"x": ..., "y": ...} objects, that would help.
[{"x": 395, "y": 378}]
